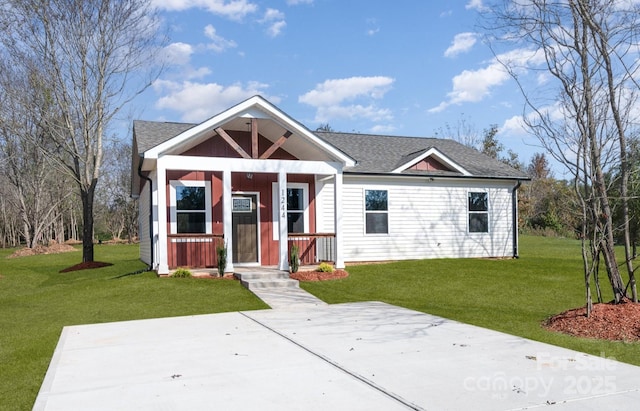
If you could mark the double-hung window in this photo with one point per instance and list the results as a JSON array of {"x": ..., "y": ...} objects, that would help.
[
  {"x": 295, "y": 210},
  {"x": 478, "y": 212},
  {"x": 190, "y": 207},
  {"x": 376, "y": 211},
  {"x": 297, "y": 200}
]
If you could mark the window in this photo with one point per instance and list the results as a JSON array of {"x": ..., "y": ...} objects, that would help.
[
  {"x": 190, "y": 207},
  {"x": 295, "y": 210},
  {"x": 478, "y": 213},
  {"x": 297, "y": 198},
  {"x": 376, "y": 212}
]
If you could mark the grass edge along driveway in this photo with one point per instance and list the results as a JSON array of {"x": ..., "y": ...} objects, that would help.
[
  {"x": 36, "y": 302},
  {"x": 510, "y": 295}
]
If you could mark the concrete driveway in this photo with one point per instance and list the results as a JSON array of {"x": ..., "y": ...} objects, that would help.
[{"x": 358, "y": 356}]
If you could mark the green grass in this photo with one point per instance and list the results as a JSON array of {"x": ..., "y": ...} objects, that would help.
[
  {"x": 36, "y": 301},
  {"x": 513, "y": 296}
]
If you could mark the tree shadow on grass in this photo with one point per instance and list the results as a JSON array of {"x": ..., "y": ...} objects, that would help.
[{"x": 87, "y": 265}]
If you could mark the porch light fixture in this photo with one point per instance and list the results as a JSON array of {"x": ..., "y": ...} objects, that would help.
[{"x": 249, "y": 176}]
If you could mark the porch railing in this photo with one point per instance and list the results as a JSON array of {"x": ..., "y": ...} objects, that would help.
[
  {"x": 314, "y": 248},
  {"x": 193, "y": 250}
]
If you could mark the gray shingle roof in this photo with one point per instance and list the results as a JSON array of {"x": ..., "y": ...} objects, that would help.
[
  {"x": 383, "y": 154},
  {"x": 149, "y": 134},
  {"x": 375, "y": 154}
]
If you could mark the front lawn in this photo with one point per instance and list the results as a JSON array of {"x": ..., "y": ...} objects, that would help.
[
  {"x": 36, "y": 301},
  {"x": 513, "y": 296}
]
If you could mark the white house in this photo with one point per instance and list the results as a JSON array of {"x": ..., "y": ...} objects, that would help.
[{"x": 258, "y": 181}]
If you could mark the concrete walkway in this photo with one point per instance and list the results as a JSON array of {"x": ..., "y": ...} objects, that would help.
[
  {"x": 289, "y": 299},
  {"x": 276, "y": 289},
  {"x": 359, "y": 356}
]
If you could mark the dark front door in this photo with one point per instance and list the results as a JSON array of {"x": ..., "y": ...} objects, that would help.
[{"x": 245, "y": 228}]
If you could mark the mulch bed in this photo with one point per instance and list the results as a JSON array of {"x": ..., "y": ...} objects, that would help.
[
  {"x": 318, "y": 275},
  {"x": 41, "y": 249},
  {"x": 614, "y": 322}
]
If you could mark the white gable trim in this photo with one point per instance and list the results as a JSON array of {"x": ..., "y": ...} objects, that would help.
[
  {"x": 254, "y": 107},
  {"x": 438, "y": 155}
]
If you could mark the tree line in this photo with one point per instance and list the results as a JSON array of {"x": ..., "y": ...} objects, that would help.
[
  {"x": 68, "y": 69},
  {"x": 40, "y": 205}
]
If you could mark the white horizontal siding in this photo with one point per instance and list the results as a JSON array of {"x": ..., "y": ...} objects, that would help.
[
  {"x": 143, "y": 224},
  {"x": 426, "y": 220},
  {"x": 325, "y": 204}
]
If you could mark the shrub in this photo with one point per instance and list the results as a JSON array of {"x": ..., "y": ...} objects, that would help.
[
  {"x": 325, "y": 268},
  {"x": 221, "y": 252},
  {"x": 182, "y": 273},
  {"x": 294, "y": 258}
]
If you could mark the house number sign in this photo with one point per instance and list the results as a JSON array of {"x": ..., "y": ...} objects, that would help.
[{"x": 283, "y": 202}]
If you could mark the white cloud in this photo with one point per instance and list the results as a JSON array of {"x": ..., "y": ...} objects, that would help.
[
  {"x": 296, "y": 2},
  {"x": 383, "y": 129},
  {"x": 198, "y": 101},
  {"x": 336, "y": 91},
  {"x": 513, "y": 126},
  {"x": 475, "y": 5},
  {"x": 329, "y": 98},
  {"x": 178, "y": 53},
  {"x": 461, "y": 43},
  {"x": 370, "y": 112},
  {"x": 218, "y": 43},
  {"x": 472, "y": 86},
  {"x": 195, "y": 73},
  {"x": 231, "y": 9},
  {"x": 274, "y": 19}
]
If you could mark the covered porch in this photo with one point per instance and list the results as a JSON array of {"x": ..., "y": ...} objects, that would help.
[{"x": 266, "y": 205}]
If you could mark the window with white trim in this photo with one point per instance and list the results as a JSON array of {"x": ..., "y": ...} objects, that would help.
[
  {"x": 478, "y": 212},
  {"x": 190, "y": 207},
  {"x": 376, "y": 211},
  {"x": 297, "y": 209}
]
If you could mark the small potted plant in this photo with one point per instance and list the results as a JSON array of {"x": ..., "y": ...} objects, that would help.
[{"x": 294, "y": 258}]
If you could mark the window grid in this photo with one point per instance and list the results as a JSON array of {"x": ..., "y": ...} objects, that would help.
[
  {"x": 478, "y": 208},
  {"x": 376, "y": 211}
]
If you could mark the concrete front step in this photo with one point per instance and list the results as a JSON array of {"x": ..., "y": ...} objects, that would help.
[
  {"x": 269, "y": 283},
  {"x": 269, "y": 275},
  {"x": 263, "y": 280}
]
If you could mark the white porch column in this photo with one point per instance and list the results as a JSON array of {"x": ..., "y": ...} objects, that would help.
[
  {"x": 283, "y": 261},
  {"x": 337, "y": 193},
  {"x": 161, "y": 258},
  {"x": 227, "y": 218}
]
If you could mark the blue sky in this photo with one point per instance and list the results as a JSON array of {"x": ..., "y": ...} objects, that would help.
[{"x": 408, "y": 67}]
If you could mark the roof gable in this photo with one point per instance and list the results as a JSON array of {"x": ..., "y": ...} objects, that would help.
[
  {"x": 439, "y": 157},
  {"x": 275, "y": 122}
]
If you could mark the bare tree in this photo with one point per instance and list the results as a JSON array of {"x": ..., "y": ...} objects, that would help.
[
  {"x": 94, "y": 57},
  {"x": 119, "y": 212},
  {"x": 589, "y": 53},
  {"x": 33, "y": 193},
  {"x": 463, "y": 131}
]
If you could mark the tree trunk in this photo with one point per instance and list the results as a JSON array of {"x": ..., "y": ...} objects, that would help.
[{"x": 87, "y": 197}]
